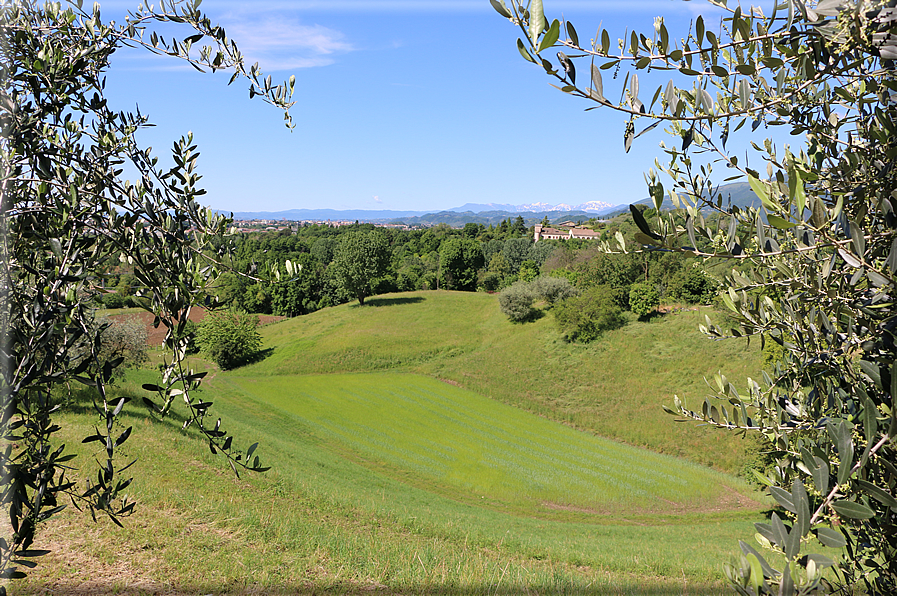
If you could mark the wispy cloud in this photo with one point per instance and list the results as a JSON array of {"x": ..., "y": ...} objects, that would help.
[
  {"x": 279, "y": 41},
  {"x": 274, "y": 34}
]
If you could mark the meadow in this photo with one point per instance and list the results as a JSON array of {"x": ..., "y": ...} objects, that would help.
[{"x": 425, "y": 445}]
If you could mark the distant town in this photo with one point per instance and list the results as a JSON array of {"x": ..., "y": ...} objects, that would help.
[{"x": 276, "y": 225}]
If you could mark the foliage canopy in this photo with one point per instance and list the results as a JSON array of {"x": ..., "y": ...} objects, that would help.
[
  {"x": 820, "y": 252},
  {"x": 584, "y": 317},
  {"x": 229, "y": 338},
  {"x": 359, "y": 260},
  {"x": 65, "y": 212}
]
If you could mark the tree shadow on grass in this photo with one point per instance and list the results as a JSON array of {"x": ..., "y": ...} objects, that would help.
[
  {"x": 88, "y": 402},
  {"x": 651, "y": 316},
  {"x": 385, "y": 301},
  {"x": 257, "y": 357}
]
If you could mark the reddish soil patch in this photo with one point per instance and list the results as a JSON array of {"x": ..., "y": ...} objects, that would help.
[{"x": 156, "y": 335}]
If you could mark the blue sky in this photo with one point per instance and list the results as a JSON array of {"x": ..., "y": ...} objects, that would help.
[{"x": 400, "y": 104}]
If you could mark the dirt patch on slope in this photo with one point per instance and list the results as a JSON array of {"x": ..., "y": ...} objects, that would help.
[{"x": 156, "y": 335}]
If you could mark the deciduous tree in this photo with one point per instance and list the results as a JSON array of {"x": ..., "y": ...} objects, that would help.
[
  {"x": 359, "y": 260},
  {"x": 459, "y": 261}
]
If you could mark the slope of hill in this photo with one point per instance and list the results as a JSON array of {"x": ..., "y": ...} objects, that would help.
[
  {"x": 614, "y": 387},
  {"x": 386, "y": 481}
]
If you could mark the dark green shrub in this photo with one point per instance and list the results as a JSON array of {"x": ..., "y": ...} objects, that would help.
[
  {"x": 491, "y": 281},
  {"x": 517, "y": 300},
  {"x": 585, "y": 317},
  {"x": 694, "y": 286},
  {"x": 643, "y": 299},
  {"x": 229, "y": 338},
  {"x": 112, "y": 300}
]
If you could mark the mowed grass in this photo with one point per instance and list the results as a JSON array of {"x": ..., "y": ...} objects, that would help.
[
  {"x": 387, "y": 478},
  {"x": 461, "y": 444},
  {"x": 614, "y": 387},
  {"x": 322, "y": 522}
]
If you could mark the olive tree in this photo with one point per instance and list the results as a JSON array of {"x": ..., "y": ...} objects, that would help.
[
  {"x": 65, "y": 212},
  {"x": 818, "y": 257}
]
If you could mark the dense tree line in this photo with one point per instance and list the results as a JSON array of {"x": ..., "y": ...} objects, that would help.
[
  {"x": 475, "y": 257},
  {"x": 384, "y": 260}
]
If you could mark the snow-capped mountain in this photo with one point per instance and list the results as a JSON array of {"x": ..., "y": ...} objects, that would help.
[
  {"x": 591, "y": 206},
  {"x": 595, "y": 206}
]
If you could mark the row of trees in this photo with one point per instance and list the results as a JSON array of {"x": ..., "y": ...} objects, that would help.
[{"x": 335, "y": 265}]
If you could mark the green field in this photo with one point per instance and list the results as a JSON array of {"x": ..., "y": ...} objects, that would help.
[
  {"x": 438, "y": 435},
  {"x": 426, "y": 445}
]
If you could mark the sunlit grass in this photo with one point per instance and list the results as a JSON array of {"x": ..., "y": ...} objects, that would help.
[
  {"x": 438, "y": 433},
  {"x": 320, "y": 520},
  {"x": 614, "y": 387},
  {"x": 392, "y": 479}
]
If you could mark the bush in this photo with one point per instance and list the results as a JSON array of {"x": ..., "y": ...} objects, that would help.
[
  {"x": 229, "y": 338},
  {"x": 112, "y": 300},
  {"x": 554, "y": 289},
  {"x": 122, "y": 338},
  {"x": 643, "y": 299},
  {"x": 694, "y": 286},
  {"x": 490, "y": 281},
  {"x": 585, "y": 317},
  {"x": 517, "y": 300}
]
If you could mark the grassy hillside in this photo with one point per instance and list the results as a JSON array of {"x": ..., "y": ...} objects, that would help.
[
  {"x": 453, "y": 441},
  {"x": 613, "y": 387},
  {"x": 394, "y": 473}
]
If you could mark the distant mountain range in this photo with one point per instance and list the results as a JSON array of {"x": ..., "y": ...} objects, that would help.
[
  {"x": 493, "y": 209},
  {"x": 738, "y": 193},
  {"x": 597, "y": 207}
]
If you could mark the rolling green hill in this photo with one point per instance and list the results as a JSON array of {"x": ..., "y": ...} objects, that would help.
[
  {"x": 401, "y": 466},
  {"x": 614, "y": 387}
]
